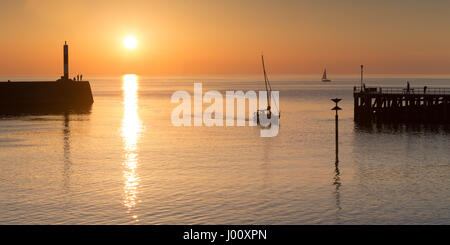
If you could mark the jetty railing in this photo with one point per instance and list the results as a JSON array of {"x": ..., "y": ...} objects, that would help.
[{"x": 402, "y": 90}]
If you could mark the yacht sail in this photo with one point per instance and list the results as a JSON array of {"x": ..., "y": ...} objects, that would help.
[
  {"x": 268, "y": 111},
  {"x": 268, "y": 87},
  {"x": 324, "y": 76}
]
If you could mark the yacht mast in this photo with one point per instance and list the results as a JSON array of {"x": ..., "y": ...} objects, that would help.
[{"x": 266, "y": 82}]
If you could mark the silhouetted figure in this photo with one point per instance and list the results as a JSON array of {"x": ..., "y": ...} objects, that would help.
[
  {"x": 407, "y": 87},
  {"x": 78, "y": 77},
  {"x": 425, "y": 90},
  {"x": 364, "y": 87},
  {"x": 81, "y": 77}
]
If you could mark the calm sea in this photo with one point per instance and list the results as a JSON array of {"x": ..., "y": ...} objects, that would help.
[{"x": 124, "y": 162}]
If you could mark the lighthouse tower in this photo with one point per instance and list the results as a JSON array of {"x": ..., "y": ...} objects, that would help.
[{"x": 66, "y": 61}]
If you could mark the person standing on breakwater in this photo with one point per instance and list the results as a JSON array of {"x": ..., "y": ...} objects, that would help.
[
  {"x": 407, "y": 87},
  {"x": 424, "y": 89}
]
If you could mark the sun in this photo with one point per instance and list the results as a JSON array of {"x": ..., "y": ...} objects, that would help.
[{"x": 130, "y": 42}]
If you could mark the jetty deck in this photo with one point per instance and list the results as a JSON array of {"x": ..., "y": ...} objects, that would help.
[{"x": 400, "y": 104}]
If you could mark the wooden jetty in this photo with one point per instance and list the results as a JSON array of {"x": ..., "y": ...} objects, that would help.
[{"x": 400, "y": 104}]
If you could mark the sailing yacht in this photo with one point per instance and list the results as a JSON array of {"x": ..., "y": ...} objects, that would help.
[
  {"x": 324, "y": 76},
  {"x": 268, "y": 111}
]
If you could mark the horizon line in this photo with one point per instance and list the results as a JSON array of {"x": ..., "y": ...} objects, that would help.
[{"x": 366, "y": 75}]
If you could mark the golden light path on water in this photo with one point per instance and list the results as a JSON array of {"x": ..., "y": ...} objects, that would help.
[{"x": 131, "y": 132}]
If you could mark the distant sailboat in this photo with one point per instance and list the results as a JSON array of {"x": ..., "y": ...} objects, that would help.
[
  {"x": 268, "y": 111},
  {"x": 324, "y": 76}
]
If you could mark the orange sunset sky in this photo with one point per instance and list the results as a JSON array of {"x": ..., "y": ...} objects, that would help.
[{"x": 225, "y": 37}]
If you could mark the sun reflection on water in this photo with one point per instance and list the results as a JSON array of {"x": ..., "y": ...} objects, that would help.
[{"x": 131, "y": 132}]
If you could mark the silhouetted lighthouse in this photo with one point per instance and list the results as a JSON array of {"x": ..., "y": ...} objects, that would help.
[{"x": 66, "y": 61}]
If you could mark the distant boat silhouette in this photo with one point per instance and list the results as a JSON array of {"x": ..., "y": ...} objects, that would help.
[{"x": 324, "y": 76}]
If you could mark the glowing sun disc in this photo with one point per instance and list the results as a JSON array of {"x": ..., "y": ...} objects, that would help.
[{"x": 130, "y": 42}]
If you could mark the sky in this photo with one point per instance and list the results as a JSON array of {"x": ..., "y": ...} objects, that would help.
[{"x": 225, "y": 37}]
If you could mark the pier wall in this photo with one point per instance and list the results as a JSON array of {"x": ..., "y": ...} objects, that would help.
[
  {"x": 421, "y": 105},
  {"x": 30, "y": 97}
]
